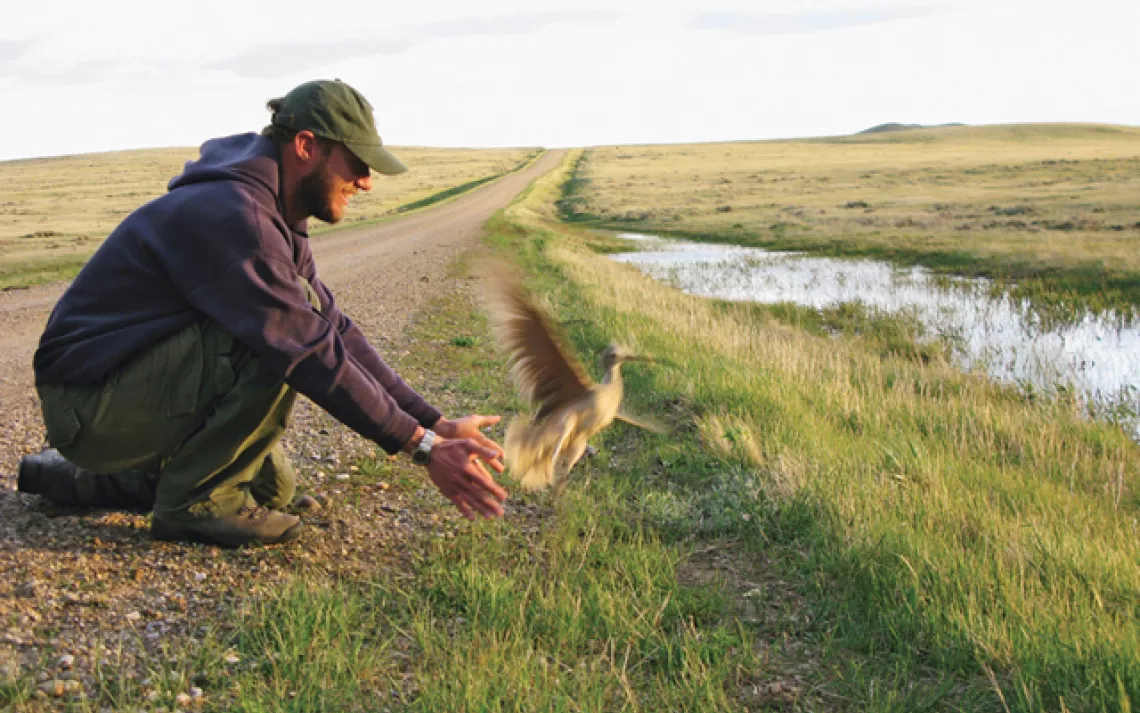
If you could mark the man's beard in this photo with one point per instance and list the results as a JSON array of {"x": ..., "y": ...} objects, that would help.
[{"x": 316, "y": 194}]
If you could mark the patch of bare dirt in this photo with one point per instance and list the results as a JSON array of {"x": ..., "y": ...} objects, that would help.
[{"x": 763, "y": 600}]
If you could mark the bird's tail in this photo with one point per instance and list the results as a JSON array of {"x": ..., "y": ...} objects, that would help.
[{"x": 529, "y": 454}]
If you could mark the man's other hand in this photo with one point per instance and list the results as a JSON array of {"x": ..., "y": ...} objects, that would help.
[
  {"x": 456, "y": 468},
  {"x": 472, "y": 427}
]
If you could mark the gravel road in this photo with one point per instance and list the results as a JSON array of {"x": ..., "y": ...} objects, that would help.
[{"x": 79, "y": 582}]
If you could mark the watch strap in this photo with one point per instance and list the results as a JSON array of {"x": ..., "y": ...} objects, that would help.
[{"x": 422, "y": 453}]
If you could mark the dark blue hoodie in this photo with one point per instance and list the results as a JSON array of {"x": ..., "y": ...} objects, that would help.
[{"x": 217, "y": 245}]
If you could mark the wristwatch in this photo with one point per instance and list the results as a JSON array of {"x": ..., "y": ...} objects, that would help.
[{"x": 422, "y": 454}]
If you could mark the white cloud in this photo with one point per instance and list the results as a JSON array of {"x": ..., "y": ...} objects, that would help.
[
  {"x": 286, "y": 58},
  {"x": 767, "y": 23}
]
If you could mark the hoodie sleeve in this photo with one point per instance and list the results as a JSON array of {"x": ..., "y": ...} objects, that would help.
[
  {"x": 236, "y": 267},
  {"x": 362, "y": 350}
]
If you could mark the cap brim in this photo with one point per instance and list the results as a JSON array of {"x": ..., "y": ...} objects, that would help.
[{"x": 377, "y": 157}]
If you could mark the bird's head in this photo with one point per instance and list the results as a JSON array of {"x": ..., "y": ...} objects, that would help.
[{"x": 616, "y": 354}]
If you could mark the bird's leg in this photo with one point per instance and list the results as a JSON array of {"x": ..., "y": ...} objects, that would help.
[
  {"x": 567, "y": 430},
  {"x": 549, "y": 438},
  {"x": 574, "y": 453},
  {"x": 559, "y": 488}
]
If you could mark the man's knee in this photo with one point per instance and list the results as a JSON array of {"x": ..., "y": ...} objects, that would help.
[
  {"x": 276, "y": 482},
  {"x": 278, "y": 499}
]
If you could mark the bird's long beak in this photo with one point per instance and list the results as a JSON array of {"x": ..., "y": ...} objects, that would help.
[{"x": 651, "y": 359}]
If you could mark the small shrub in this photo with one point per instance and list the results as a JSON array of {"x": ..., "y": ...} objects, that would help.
[{"x": 1011, "y": 210}]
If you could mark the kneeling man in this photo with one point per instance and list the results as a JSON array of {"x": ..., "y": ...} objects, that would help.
[{"x": 168, "y": 369}]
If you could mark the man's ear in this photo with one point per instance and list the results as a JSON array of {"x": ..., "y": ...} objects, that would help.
[{"x": 306, "y": 146}]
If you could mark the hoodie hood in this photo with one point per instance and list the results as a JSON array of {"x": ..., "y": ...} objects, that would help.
[{"x": 249, "y": 158}]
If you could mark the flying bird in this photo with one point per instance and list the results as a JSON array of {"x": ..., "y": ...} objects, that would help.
[{"x": 568, "y": 407}]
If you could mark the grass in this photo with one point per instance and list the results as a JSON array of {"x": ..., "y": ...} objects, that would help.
[
  {"x": 54, "y": 212},
  {"x": 477, "y": 628},
  {"x": 1050, "y": 206},
  {"x": 445, "y": 194}
]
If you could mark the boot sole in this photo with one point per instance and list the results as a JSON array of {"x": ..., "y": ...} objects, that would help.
[{"x": 163, "y": 532}]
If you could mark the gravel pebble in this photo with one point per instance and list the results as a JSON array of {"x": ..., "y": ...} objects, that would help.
[{"x": 307, "y": 503}]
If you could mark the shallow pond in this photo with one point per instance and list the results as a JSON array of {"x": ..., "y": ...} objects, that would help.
[{"x": 1098, "y": 355}]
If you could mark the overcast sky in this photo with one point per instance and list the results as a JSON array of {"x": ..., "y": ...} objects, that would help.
[{"x": 94, "y": 76}]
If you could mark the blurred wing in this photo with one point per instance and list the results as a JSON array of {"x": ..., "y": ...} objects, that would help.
[
  {"x": 649, "y": 424},
  {"x": 544, "y": 373},
  {"x": 529, "y": 456}
]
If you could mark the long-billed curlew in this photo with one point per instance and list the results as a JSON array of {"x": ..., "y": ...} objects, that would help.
[{"x": 569, "y": 407}]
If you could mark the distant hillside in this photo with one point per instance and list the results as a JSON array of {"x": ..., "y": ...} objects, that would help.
[
  {"x": 917, "y": 134},
  {"x": 895, "y": 126}
]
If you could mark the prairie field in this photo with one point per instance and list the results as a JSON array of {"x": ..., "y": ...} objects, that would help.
[
  {"x": 54, "y": 212},
  {"x": 1056, "y": 202}
]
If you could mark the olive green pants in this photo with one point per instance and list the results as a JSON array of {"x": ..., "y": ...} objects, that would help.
[{"x": 191, "y": 425}]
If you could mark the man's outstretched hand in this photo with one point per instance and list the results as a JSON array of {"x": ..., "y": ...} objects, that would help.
[
  {"x": 469, "y": 427},
  {"x": 456, "y": 468},
  {"x": 457, "y": 465}
]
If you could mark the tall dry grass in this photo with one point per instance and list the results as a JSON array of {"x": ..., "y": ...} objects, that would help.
[{"x": 1021, "y": 201}]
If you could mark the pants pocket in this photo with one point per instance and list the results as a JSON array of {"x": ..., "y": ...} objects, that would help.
[
  {"x": 146, "y": 401},
  {"x": 61, "y": 407},
  {"x": 62, "y": 427},
  {"x": 184, "y": 362}
]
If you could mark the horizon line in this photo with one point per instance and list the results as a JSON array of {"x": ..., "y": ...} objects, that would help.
[{"x": 869, "y": 131}]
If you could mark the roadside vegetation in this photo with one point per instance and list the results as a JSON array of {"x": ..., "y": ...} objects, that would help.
[
  {"x": 964, "y": 545},
  {"x": 54, "y": 212},
  {"x": 1050, "y": 206}
]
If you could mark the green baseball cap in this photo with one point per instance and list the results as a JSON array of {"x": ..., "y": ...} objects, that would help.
[{"x": 335, "y": 111}]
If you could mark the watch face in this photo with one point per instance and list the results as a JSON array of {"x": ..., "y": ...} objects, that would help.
[{"x": 422, "y": 454}]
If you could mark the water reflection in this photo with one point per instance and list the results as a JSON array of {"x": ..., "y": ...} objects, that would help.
[{"x": 1099, "y": 355}]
